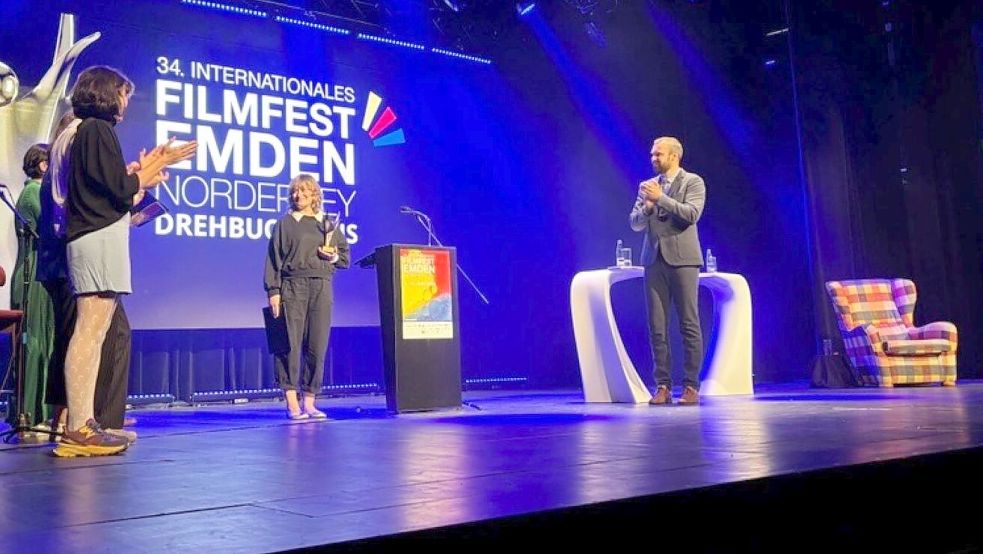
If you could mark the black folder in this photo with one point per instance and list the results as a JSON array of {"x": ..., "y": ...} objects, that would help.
[{"x": 277, "y": 338}]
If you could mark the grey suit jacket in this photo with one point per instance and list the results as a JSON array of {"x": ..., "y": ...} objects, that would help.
[{"x": 671, "y": 227}]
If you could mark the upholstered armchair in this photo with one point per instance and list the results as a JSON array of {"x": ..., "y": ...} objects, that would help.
[{"x": 876, "y": 320}]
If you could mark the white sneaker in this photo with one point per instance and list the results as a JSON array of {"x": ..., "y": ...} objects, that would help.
[
  {"x": 43, "y": 427},
  {"x": 130, "y": 436}
]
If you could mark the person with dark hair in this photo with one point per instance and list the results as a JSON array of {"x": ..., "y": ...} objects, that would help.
[
  {"x": 667, "y": 210},
  {"x": 29, "y": 205},
  {"x": 38, "y": 317},
  {"x": 53, "y": 267},
  {"x": 114, "y": 363},
  {"x": 100, "y": 194},
  {"x": 36, "y": 162},
  {"x": 304, "y": 252}
]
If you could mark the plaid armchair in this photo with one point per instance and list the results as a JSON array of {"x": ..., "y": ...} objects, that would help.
[{"x": 876, "y": 320}]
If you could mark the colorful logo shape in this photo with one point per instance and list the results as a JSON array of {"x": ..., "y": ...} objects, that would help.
[{"x": 384, "y": 121}]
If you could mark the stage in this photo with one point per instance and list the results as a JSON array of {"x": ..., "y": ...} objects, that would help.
[{"x": 733, "y": 474}]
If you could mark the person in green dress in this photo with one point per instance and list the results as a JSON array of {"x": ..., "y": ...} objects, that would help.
[{"x": 39, "y": 317}]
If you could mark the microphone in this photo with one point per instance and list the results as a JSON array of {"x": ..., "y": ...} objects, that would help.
[{"x": 406, "y": 210}]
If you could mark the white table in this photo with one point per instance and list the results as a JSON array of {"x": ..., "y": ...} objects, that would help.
[{"x": 608, "y": 374}]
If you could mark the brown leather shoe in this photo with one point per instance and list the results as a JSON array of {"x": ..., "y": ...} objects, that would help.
[
  {"x": 690, "y": 396},
  {"x": 663, "y": 396}
]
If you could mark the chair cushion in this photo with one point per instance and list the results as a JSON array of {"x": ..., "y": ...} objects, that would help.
[
  {"x": 924, "y": 347},
  {"x": 869, "y": 301},
  {"x": 892, "y": 332}
]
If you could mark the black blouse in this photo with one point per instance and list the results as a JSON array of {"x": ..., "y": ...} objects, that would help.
[{"x": 100, "y": 191}]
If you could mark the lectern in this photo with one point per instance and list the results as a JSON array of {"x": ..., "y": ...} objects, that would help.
[{"x": 421, "y": 339}]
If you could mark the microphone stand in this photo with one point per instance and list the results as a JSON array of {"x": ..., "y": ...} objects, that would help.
[
  {"x": 424, "y": 221},
  {"x": 21, "y": 425}
]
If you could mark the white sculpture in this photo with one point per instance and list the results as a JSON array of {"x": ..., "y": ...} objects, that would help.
[{"x": 30, "y": 119}]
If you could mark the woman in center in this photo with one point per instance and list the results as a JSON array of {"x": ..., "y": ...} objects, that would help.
[{"x": 305, "y": 251}]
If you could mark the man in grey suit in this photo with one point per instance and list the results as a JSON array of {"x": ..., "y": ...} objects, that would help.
[{"x": 667, "y": 209}]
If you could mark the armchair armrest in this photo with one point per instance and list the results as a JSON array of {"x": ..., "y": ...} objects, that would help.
[{"x": 935, "y": 330}]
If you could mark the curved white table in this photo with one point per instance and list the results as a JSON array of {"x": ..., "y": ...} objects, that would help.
[{"x": 608, "y": 374}]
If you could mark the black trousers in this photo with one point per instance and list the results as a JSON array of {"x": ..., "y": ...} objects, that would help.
[
  {"x": 114, "y": 372},
  {"x": 65, "y": 313},
  {"x": 306, "y": 303},
  {"x": 666, "y": 285},
  {"x": 114, "y": 364}
]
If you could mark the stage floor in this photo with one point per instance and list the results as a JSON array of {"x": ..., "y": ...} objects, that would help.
[{"x": 239, "y": 478}]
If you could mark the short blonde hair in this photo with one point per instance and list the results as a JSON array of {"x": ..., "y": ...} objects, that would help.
[
  {"x": 675, "y": 147},
  {"x": 307, "y": 181}
]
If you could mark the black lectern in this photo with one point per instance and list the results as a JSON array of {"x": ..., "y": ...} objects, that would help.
[{"x": 421, "y": 339}]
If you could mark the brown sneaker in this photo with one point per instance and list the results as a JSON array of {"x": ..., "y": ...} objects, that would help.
[
  {"x": 691, "y": 396},
  {"x": 663, "y": 396},
  {"x": 90, "y": 440}
]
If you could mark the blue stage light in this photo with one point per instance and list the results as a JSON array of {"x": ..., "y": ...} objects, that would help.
[
  {"x": 225, "y": 8},
  {"x": 456, "y": 5},
  {"x": 491, "y": 380},
  {"x": 312, "y": 25},
  {"x": 523, "y": 8},
  {"x": 394, "y": 42},
  {"x": 595, "y": 33},
  {"x": 453, "y": 54}
]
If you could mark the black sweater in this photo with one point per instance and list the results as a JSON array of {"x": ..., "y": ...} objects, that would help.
[
  {"x": 293, "y": 252},
  {"x": 100, "y": 191}
]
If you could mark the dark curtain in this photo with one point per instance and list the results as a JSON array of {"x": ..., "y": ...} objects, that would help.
[{"x": 888, "y": 97}]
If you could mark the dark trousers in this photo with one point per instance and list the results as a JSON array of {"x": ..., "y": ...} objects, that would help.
[
  {"x": 306, "y": 303},
  {"x": 114, "y": 372},
  {"x": 114, "y": 364},
  {"x": 65, "y": 313},
  {"x": 665, "y": 285}
]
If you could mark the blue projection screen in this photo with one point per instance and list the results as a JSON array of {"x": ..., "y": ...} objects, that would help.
[{"x": 265, "y": 101}]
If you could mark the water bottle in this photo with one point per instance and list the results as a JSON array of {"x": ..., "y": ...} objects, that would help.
[
  {"x": 711, "y": 262},
  {"x": 827, "y": 347},
  {"x": 617, "y": 255}
]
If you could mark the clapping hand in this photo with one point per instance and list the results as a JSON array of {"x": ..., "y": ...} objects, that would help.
[
  {"x": 650, "y": 191},
  {"x": 152, "y": 164}
]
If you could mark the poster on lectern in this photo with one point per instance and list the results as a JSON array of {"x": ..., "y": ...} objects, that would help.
[{"x": 427, "y": 301}]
